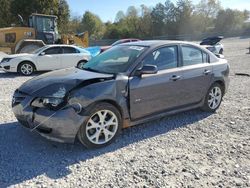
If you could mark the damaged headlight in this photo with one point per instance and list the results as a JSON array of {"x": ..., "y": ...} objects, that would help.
[
  {"x": 54, "y": 101},
  {"x": 5, "y": 60}
]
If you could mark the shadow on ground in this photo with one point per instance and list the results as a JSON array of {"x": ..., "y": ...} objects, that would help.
[
  {"x": 25, "y": 155},
  {"x": 15, "y": 75}
]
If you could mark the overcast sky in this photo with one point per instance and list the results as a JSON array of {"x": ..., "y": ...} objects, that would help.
[{"x": 107, "y": 9}]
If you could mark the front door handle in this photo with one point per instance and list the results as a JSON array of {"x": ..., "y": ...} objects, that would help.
[
  {"x": 206, "y": 72},
  {"x": 175, "y": 78}
]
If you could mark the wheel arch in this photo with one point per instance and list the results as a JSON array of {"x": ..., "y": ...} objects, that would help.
[
  {"x": 28, "y": 61},
  {"x": 222, "y": 84},
  {"x": 112, "y": 102},
  {"x": 83, "y": 60}
]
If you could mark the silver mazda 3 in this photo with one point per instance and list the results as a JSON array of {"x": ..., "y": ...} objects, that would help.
[{"x": 127, "y": 85}]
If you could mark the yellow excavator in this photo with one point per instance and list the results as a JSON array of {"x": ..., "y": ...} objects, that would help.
[{"x": 41, "y": 30}]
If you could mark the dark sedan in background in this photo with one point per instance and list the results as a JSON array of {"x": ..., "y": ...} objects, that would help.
[{"x": 126, "y": 85}]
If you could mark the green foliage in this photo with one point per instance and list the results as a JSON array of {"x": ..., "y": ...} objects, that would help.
[
  {"x": 5, "y": 16},
  {"x": 11, "y": 8},
  {"x": 119, "y": 16},
  {"x": 93, "y": 24},
  {"x": 184, "y": 12},
  {"x": 182, "y": 18},
  {"x": 229, "y": 21}
]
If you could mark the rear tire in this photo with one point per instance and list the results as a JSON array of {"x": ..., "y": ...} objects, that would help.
[
  {"x": 213, "y": 98},
  {"x": 102, "y": 126},
  {"x": 26, "y": 68},
  {"x": 81, "y": 63}
]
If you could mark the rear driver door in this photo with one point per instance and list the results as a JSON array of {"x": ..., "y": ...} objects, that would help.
[
  {"x": 197, "y": 73},
  {"x": 70, "y": 57}
]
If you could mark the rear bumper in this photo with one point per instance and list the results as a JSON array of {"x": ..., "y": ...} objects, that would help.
[{"x": 60, "y": 126}]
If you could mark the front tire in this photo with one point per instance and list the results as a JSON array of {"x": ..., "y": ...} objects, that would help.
[
  {"x": 26, "y": 68},
  {"x": 102, "y": 126},
  {"x": 213, "y": 98}
]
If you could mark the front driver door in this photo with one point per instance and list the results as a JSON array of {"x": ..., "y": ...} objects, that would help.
[
  {"x": 49, "y": 59},
  {"x": 155, "y": 93}
]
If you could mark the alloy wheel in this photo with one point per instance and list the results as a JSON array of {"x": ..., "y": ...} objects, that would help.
[
  {"x": 102, "y": 127},
  {"x": 26, "y": 69},
  {"x": 214, "y": 98}
]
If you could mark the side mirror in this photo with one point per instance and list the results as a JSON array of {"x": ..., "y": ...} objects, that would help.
[
  {"x": 42, "y": 54},
  {"x": 147, "y": 69}
]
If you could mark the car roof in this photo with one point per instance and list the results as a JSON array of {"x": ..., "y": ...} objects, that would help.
[
  {"x": 128, "y": 39},
  {"x": 158, "y": 43},
  {"x": 153, "y": 43},
  {"x": 61, "y": 45},
  {"x": 67, "y": 45}
]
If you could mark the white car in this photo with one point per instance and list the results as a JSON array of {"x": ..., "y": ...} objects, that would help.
[
  {"x": 216, "y": 49},
  {"x": 213, "y": 44},
  {"x": 50, "y": 57}
]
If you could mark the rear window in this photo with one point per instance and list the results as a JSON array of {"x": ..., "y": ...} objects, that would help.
[
  {"x": 69, "y": 50},
  {"x": 53, "y": 50}
]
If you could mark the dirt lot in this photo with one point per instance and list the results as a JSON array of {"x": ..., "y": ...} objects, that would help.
[{"x": 191, "y": 149}]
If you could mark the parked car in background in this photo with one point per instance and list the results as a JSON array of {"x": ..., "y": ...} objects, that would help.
[
  {"x": 213, "y": 44},
  {"x": 104, "y": 48},
  {"x": 50, "y": 57},
  {"x": 124, "y": 86}
]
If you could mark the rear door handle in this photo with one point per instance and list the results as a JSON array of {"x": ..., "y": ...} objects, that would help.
[
  {"x": 175, "y": 78},
  {"x": 206, "y": 72}
]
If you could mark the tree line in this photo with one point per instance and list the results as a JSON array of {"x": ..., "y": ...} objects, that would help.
[
  {"x": 10, "y": 9},
  {"x": 181, "y": 18}
]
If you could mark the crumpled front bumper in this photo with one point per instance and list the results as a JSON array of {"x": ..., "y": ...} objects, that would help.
[
  {"x": 7, "y": 67},
  {"x": 60, "y": 126}
]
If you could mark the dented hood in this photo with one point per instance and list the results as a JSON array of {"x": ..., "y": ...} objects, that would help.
[{"x": 69, "y": 78}]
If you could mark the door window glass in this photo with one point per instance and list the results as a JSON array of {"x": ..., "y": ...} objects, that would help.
[
  {"x": 54, "y": 50},
  {"x": 69, "y": 50},
  {"x": 191, "y": 56},
  {"x": 163, "y": 58}
]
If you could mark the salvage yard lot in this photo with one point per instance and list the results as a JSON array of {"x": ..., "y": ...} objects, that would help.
[{"x": 188, "y": 149}]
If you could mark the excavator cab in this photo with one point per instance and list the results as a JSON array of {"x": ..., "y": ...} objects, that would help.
[
  {"x": 45, "y": 27},
  {"x": 41, "y": 30}
]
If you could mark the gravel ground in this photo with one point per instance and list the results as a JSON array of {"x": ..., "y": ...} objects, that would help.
[{"x": 191, "y": 149}]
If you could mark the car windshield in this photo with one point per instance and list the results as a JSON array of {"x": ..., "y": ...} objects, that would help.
[
  {"x": 39, "y": 50},
  {"x": 116, "y": 60}
]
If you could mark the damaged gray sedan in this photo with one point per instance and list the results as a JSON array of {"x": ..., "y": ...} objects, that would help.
[{"x": 126, "y": 85}]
